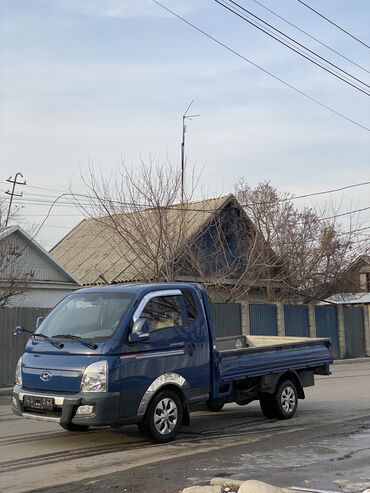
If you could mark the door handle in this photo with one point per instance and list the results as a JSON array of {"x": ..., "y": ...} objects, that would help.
[{"x": 190, "y": 348}]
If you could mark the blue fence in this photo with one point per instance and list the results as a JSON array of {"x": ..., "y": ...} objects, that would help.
[
  {"x": 226, "y": 319},
  {"x": 327, "y": 325},
  {"x": 296, "y": 320},
  {"x": 354, "y": 331},
  {"x": 262, "y": 319}
]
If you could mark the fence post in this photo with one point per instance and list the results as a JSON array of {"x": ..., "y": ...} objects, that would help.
[
  {"x": 244, "y": 313},
  {"x": 280, "y": 319},
  {"x": 341, "y": 333},
  {"x": 366, "y": 316},
  {"x": 311, "y": 320}
]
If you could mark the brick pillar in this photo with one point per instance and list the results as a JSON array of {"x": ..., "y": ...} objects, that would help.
[
  {"x": 341, "y": 335},
  {"x": 280, "y": 319},
  {"x": 366, "y": 311},
  {"x": 244, "y": 310},
  {"x": 311, "y": 321}
]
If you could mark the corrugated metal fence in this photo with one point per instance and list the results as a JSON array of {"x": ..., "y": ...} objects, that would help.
[
  {"x": 296, "y": 320},
  {"x": 327, "y": 325},
  {"x": 263, "y": 320},
  {"x": 11, "y": 348},
  {"x": 354, "y": 331},
  {"x": 226, "y": 319}
]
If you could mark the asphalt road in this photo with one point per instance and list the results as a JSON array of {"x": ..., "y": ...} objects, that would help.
[{"x": 326, "y": 446}]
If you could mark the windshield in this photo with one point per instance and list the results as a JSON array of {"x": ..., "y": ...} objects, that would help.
[{"x": 86, "y": 315}]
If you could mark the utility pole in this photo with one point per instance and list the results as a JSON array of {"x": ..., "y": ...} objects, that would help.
[
  {"x": 12, "y": 193},
  {"x": 184, "y": 117}
]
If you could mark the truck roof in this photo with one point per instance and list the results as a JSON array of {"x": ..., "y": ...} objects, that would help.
[{"x": 136, "y": 288}]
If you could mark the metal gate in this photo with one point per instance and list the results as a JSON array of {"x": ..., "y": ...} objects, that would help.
[
  {"x": 263, "y": 320},
  {"x": 296, "y": 320},
  {"x": 227, "y": 319},
  {"x": 327, "y": 325},
  {"x": 11, "y": 348},
  {"x": 354, "y": 331}
]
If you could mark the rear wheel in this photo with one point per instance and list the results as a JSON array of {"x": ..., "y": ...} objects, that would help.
[
  {"x": 282, "y": 404},
  {"x": 215, "y": 405},
  {"x": 72, "y": 427},
  {"x": 286, "y": 398},
  {"x": 163, "y": 417}
]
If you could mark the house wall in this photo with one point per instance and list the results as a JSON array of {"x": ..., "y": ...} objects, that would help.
[
  {"x": 33, "y": 260},
  {"x": 42, "y": 295}
]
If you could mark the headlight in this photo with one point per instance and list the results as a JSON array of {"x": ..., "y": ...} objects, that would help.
[
  {"x": 95, "y": 377},
  {"x": 18, "y": 372}
]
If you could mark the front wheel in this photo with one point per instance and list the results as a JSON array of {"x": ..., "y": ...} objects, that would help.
[
  {"x": 72, "y": 427},
  {"x": 163, "y": 417}
]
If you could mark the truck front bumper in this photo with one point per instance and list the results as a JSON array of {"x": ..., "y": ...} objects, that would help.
[{"x": 88, "y": 409}]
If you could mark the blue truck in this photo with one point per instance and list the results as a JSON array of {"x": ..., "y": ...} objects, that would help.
[{"x": 147, "y": 354}]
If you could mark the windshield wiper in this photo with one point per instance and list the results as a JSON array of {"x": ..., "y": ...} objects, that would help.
[
  {"x": 77, "y": 338},
  {"x": 47, "y": 338}
]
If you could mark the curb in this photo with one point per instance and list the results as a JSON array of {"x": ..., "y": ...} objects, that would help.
[
  {"x": 351, "y": 361},
  {"x": 5, "y": 390}
]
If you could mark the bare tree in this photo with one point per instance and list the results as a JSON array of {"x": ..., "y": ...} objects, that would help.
[
  {"x": 13, "y": 278},
  {"x": 135, "y": 210},
  {"x": 155, "y": 236},
  {"x": 313, "y": 250}
]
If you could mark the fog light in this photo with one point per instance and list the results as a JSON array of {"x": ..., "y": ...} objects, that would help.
[
  {"x": 83, "y": 410},
  {"x": 14, "y": 401}
]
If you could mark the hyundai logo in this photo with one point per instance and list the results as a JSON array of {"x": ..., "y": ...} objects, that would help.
[{"x": 46, "y": 376}]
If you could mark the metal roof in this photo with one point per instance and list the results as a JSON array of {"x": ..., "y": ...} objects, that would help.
[
  {"x": 92, "y": 250},
  {"x": 350, "y": 299}
]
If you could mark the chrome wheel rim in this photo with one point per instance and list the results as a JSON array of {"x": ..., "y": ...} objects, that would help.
[
  {"x": 165, "y": 416},
  {"x": 288, "y": 399}
]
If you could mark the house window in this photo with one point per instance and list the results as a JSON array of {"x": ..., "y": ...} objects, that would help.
[
  {"x": 163, "y": 312},
  {"x": 367, "y": 282}
]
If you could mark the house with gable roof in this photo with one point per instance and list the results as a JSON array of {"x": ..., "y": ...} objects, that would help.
[
  {"x": 37, "y": 278},
  {"x": 188, "y": 234}
]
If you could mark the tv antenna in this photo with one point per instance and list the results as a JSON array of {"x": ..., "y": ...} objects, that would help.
[{"x": 185, "y": 117}]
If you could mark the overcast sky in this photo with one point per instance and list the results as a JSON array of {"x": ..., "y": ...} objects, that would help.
[{"x": 103, "y": 80}]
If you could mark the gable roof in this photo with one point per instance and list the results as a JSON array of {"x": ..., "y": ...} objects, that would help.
[
  {"x": 34, "y": 257},
  {"x": 92, "y": 250}
]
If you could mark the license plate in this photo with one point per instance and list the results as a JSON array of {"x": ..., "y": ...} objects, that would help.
[{"x": 36, "y": 402}]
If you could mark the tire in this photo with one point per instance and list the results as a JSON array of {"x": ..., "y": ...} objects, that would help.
[
  {"x": 163, "y": 418},
  {"x": 268, "y": 406},
  {"x": 215, "y": 405},
  {"x": 72, "y": 427},
  {"x": 286, "y": 399}
]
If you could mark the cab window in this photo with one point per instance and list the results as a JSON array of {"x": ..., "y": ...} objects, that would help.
[{"x": 163, "y": 312}]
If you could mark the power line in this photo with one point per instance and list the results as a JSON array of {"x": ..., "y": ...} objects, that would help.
[
  {"x": 348, "y": 213},
  {"x": 352, "y": 232},
  {"x": 293, "y": 48},
  {"x": 231, "y": 50},
  {"x": 324, "y": 192},
  {"x": 193, "y": 209},
  {"x": 333, "y": 23},
  {"x": 310, "y": 36}
]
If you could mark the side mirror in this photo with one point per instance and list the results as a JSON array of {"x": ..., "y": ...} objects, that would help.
[
  {"x": 18, "y": 330},
  {"x": 38, "y": 322},
  {"x": 140, "y": 330}
]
